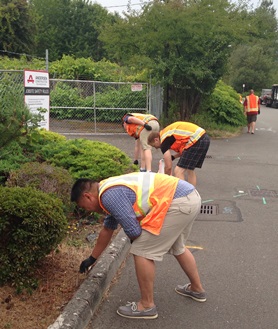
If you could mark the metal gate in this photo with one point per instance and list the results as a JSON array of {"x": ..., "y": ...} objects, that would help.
[{"x": 82, "y": 106}]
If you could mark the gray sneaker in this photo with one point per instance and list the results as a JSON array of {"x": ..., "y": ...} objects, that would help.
[
  {"x": 131, "y": 311},
  {"x": 198, "y": 296}
]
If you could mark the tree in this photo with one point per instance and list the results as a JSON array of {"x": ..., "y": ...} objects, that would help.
[
  {"x": 185, "y": 44},
  {"x": 70, "y": 27},
  {"x": 253, "y": 59},
  {"x": 250, "y": 66},
  {"x": 17, "y": 27}
]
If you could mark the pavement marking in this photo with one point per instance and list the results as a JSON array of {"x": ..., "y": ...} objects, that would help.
[
  {"x": 236, "y": 196},
  {"x": 264, "y": 201},
  {"x": 194, "y": 247}
]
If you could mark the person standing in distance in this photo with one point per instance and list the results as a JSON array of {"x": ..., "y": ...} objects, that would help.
[
  {"x": 189, "y": 141},
  {"x": 251, "y": 110},
  {"x": 139, "y": 126}
]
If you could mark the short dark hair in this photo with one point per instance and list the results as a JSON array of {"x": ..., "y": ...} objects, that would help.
[
  {"x": 152, "y": 136},
  {"x": 79, "y": 187}
]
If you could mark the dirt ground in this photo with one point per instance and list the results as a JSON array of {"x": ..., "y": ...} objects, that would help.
[{"x": 58, "y": 279}]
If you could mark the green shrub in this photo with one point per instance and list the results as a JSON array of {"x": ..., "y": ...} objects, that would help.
[
  {"x": 25, "y": 150},
  {"x": 32, "y": 224},
  {"x": 85, "y": 158},
  {"x": 12, "y": 157},
  {"x": 118, "y": 96},
  {"x": 44, "y": 177},
  {"x": 16, "y": 120},
  {"x": 223, "y": 108},
  {"x": 80, "y": 157}
]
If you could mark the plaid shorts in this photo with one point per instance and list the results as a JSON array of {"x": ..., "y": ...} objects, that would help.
[
  {"x": 195, "y": 155},
  {"x": 251, "y": 118}
]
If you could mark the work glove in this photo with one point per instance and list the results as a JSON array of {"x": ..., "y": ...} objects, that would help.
[
  {"x": 135, "y": 162},
  {"x": 147, "y": 127},
  {"x": 86, "y": 264}
]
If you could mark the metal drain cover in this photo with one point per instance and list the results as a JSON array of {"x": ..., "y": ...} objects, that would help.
[
  {"x": 222, "y": 211},
  {"x": 209, "y": 209}
]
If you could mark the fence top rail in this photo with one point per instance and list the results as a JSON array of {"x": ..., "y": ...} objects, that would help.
[
  {"x": 99, "y": 108},
  {"x": 103, "y": 82},
  {"x": 11, "y": 70}
]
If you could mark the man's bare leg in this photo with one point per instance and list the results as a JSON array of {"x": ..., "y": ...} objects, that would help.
[
  {"x": 253, "y": 124},
  {"x": 188, "y": 264},
  {"x": 191, "y": 177},
  {"x": 145, "y": 272},
  {"x": 181, "y": 172},
  {"x": 148, "y": 159}
]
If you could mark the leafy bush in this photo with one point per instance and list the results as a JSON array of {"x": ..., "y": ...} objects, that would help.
[
  {"x": 16, "y": 120},
  {"x": 221, "y": 109},
  {"x": 12, "y": 157},
  {"x": 118, "y": 96},
  {"x": 25, "y": 150},
  {"x": 80, "y": 157},
  {"x": 32, "y": 224},
  {"x": 85, "y": 158},
  {"x": 45, "y": 177}
]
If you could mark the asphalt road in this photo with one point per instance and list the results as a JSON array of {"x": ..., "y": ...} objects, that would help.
[{"x": 236, "y": 248}]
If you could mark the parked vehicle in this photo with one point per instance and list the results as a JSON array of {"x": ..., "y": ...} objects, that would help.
[
  {"x": 266, "y": 93},
  {"x": 272, "y": 100}
]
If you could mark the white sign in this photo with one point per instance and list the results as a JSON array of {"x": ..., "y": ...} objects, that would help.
[
  {"x": 137, "y": 87},
  {"x": 36, "y": 93}
]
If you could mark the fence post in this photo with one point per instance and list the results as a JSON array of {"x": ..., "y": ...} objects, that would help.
[
  {"x": 95, "y": 115},
  {"x": 46, "y": 60}
]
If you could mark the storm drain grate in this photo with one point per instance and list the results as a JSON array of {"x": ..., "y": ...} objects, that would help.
[
  {"x": 209, "y": 209},
  {"x": 263, "y": 193}
]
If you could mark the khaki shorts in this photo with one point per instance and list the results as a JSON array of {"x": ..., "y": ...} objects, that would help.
[
  {"x": 175, "y": 230},
  {"x": 145, "y": 134}
]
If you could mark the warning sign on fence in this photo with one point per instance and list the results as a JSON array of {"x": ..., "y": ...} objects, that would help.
[
  {"x": 36, "y": 93},
  {"x": 136, "y": 87}
]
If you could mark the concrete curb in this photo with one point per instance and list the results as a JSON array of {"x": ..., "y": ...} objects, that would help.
[{"x": 80, "y": 309}]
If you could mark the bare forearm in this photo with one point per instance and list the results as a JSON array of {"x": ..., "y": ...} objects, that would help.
[
  {"x": 103, "y": 240},
  {"x": 136, "y": 121}
]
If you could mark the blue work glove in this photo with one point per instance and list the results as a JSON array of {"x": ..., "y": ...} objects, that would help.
[
  {"x": 86, "y": 264},
  {"x": 147, "y": 127}
]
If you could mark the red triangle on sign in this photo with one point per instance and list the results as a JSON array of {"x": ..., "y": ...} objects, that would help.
[{"x": 30, "y": 79}]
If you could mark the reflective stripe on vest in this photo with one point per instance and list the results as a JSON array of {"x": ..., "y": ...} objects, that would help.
[
  {"x": 252, "y": 104},
  {"x": 184, "y": 134},
  {"x": 154, "y": 194},
  {"x": 144, "y": 183},
  {"x": 134, "y": 130}
]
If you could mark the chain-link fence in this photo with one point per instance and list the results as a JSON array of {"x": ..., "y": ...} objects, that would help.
[
  {"x": 79, "y": 106},
  {"x": 11, "y": 80}
]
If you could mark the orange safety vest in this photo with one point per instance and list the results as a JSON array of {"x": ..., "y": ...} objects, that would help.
[
  {"x": 185, "y": 133},
  {"x": 134, "y": 130},
  {"x": 154, "y": 194},
  {"x": 252, "y": 104}
]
